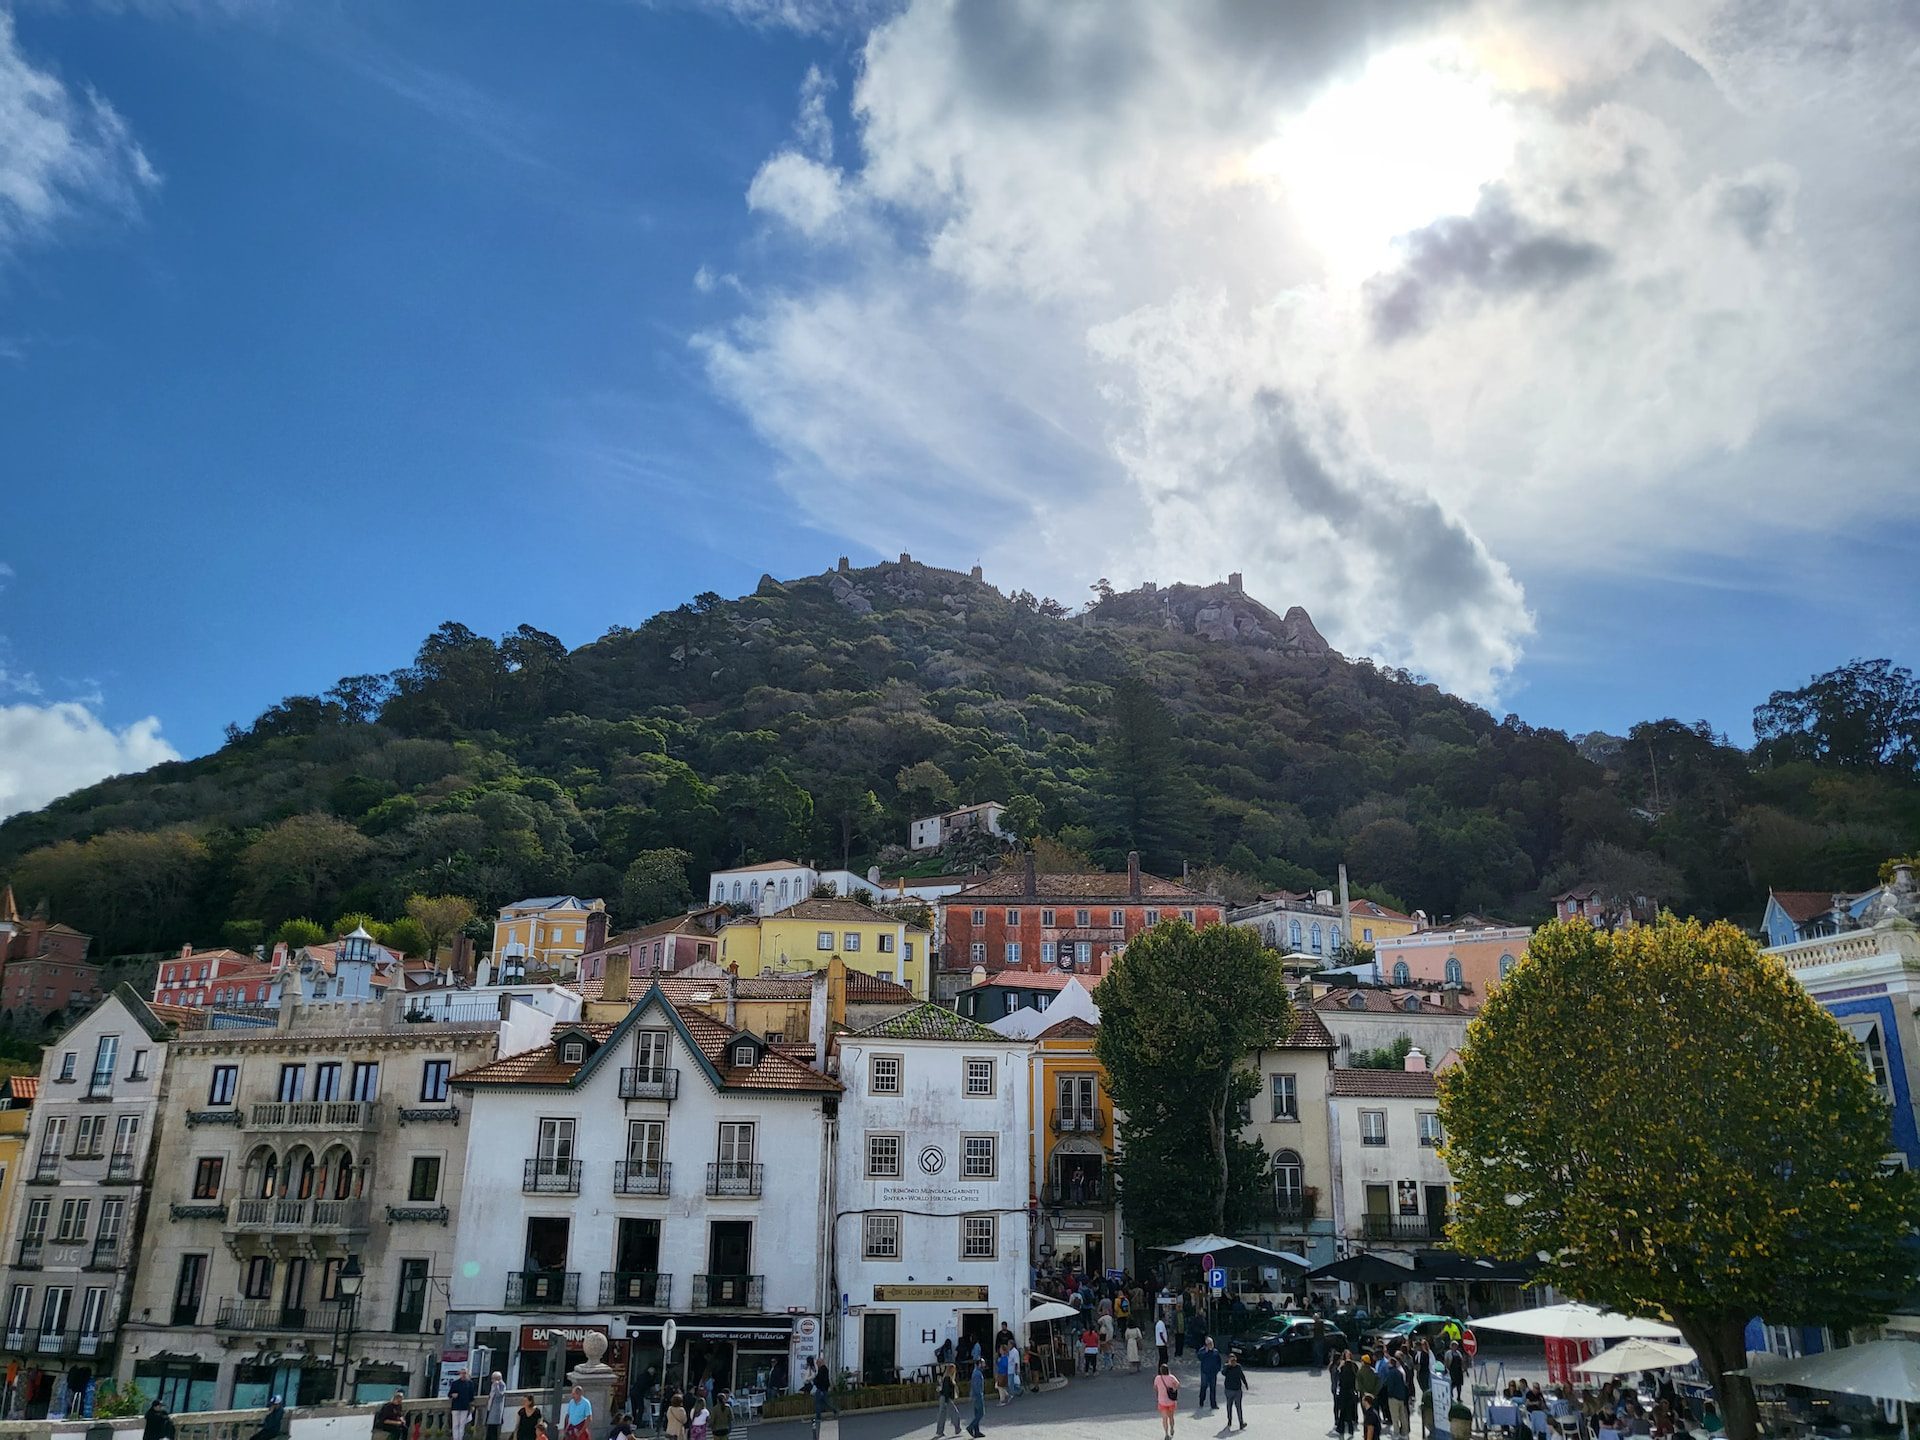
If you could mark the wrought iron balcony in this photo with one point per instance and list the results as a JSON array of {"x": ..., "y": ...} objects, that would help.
[
  {"x": 105, "y": 1255},
  {"x": 646, "y": 1288},
  {"x": 31, "y": 1254},
  {"x": 1093, "y": 1190},
  {"x": 642, "y": 1177},
  {"x": 649, "y": 1082},
  {"x": 543, "y": 1290},
  {"x": 545, "y": 1175},
  {"x": 1080, "y": 1122},
  {"x": 120, "y": 1167},
  {"x": 727, "y": 1292},
  {"x": 733, "y": 1178},
  {"x": 271, "y": 1315},
  {"x": 1425, "y": 1228}
]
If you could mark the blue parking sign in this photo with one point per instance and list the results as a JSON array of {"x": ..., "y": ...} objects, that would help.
[{"x": 1217, "y": 1278}]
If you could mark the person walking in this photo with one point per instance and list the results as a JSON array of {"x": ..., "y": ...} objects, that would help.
[
  {"x": 700, "y": 1421},
  {"x": 677, "y": 1417},
  {"x": 1107, "y": 1346},
  {"x": 949, "y": 1394},
  {"x": 526, "y": 1419},
  {"x": 1089, "y": 1351},
  {"x": 977, "y": 1393},
  {"x": 496, "y": 1405},
  {"x": 1133, "y": 1349},
  {"x": 1346, "y": 1406},
  {"x": 460, "y": 1403},
  {"x": 1002, "y": 1386},
  {"x": 577, "y": 1416},
  {"x": 1234, "y": 1378},
  {"x": 823, "y": 1395},
  {"x": 1393, "y": 1385},
  {"x": 722, "y": 1415},
  {"x": 1166, "y": 1397},
  {"x": 1209, "y": 1374},
  {"x": 1160, "y": 1335}
]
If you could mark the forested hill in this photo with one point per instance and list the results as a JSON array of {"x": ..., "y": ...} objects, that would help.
[{"x": 813, "y": 717}]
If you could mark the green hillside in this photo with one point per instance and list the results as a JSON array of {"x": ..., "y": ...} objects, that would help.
[{"x": 811, "y": 718}]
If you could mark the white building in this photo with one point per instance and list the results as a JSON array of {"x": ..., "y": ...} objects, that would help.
[
  {"x": 930, "y": 1234},
  {"x": 933, "y": 831},
  {"x": 664, "y": 1167},
  {"x": 773, "y": 885},
  {"x": 1391, "y": 1190}
]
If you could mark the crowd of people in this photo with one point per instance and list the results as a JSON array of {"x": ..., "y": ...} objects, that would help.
[
  {"x": 1654, "y": 1408},
  {"x": 1382, "y": 1396}
]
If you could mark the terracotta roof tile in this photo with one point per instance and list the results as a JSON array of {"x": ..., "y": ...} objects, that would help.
[
  {"x": 1383, "y": 1002},
  {"x": 762, "y": 865},
  {"x": 928, "y": 1021},
  {"x": 776, "y": 1071},
  {"x": 1308, "y": 1031},
  {"x": 1011, "y": 885},
  {"x": 1804, "y": 905},
  {"x": 1031, "y": 980},
  {"x": 24, "y": 1087},
  {"x": 833, "y": 909},
  {"x": 533, "y": 1067},
  {"x": 1073, "y": 1027},
  {"x": 1382, "y": 1084}
]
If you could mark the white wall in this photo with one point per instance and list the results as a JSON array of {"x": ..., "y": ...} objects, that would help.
[{"x": 1356, "y": 1165}]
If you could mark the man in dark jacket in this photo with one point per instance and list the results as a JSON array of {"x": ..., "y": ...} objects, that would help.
[
  {"x": 1235, "y": 1379},
  {"x": 460, "y": 1403},
  {"x": 1346, "y": 1403},
  {"x": 273, "y": 1426},
  {"x": 390, "y": 1423},
  {"x": 1209, "y": 1374}
]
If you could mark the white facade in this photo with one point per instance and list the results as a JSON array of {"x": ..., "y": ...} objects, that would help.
[
  {"x": 527, "y": 1013},
  {"x": 638, "y": 1178},
  {"x": 776, "y": 884},
  {"x": 1391, "y": 1190},
  {"x": 931, "y": 1234},
  {"x": 933, "y": 831}
]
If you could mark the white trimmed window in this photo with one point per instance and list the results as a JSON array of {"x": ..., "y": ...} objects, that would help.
[
  {"x": 1153, "y": 917},
  {"x": 881, "y": 1240},
  {"x": 977, "y": 952},
  {"x": 884, "y": 1075},
  {"x": 883, "y": 1157},
  {"x": 823, "y": 940},
  {"x": 1046, "y": 918},
  {"x": 1046, "y": 952},
  {"x": 1083, "y": 918},
  {"x": 979, "y": 917},
  {"x": 1013, "y": 917},
  {"x": 886, "y": 944},
  {"x": 1430, "y": 1136},
  {"x": 1373, "y": 1127},
  {"x": 852, "y": 938},
  {"x": 980, "y": 1078},
  {"x": 1286, "y": 1097},
  {"x": 980, "y": 1159},
  {"x": 979, "y": 1237},
  {"x": 1013, "y": 952}
]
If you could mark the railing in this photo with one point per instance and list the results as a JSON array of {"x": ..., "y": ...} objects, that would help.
[
  {"x": 199, "y": 1210},
  {"x": 1854, "y": 945},
  {"x": 197, "y": 1118},
  {"x": 105, "y": 1256},
  {"x": 649, "y": 1083},
  {"x": 429, "y": 1115},
  {"x": 58, "y": 1342},
  {"x": 545, "y": 1176},
  {"x": 1083, "y": 1122},
  {"x": 426, "y": 1419},
  {"x": 272, "y": 1315},
  {"x": 1095, "y": 1190},
  {"x": 279, "y": 1213},
  {"x": 543, "y": 1290},
  {"x": 733, "y": 1177},
  {"x": 645, "y": 1288},
  {"x": 120, "y": 1167},
  {"x": 31, "y": 1253},
  {"x": 341, "y": 1214},
  {"x": 16, "y": 1339},
  {"x": 314, "y": 1114},
  {"x": 727, "y": 1292},
  {"x": 430, "y": 1214},
  {"x": 1288, "y": 1208},
  {"x": 1404, "y": 1227},
  {"x": 642, "y": 1177},
  {"x": 46, "y": 1170}
]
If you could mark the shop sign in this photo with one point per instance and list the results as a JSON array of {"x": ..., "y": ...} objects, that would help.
[
  {"x": 1077, "y": 1222},
  {"x": 536, "y": 1337},
  {"x": 884, "y": 1293}
]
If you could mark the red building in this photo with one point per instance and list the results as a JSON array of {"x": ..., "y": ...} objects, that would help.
[
  {"x": 46, "y": 966},
  {"x": 1069, "y": 923},
  {"x": 194, "y": 977}
]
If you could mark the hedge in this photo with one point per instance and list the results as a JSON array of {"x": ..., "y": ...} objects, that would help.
[{"x": 866, "y": 1397}]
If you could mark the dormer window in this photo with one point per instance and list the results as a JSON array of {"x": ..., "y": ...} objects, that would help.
[
  {"x": 1357, "y": 1002},
  {"x": 744, "y": 1056},
  {"x": 573, "y": 1052},
  {"x": 1412, "y": 1006}
]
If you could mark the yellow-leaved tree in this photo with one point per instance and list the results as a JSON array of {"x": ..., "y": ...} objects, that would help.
[{"x": 1666, "y": 1121}]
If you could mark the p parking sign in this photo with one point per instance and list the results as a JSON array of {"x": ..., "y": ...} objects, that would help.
[{"x": 1216, "y": 1279}]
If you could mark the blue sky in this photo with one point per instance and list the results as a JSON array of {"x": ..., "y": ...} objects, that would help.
[{"x": 322, "y": 324}]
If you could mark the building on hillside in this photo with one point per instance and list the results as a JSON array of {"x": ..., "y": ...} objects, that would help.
[
  {"x": 999, "y": 995},
  {"x": 1066, "y": 922},
  {"x": 544, "y": 933},
  {"x": 1469, "y": 952},
  {"x": 38, "y": 936},
  {"x": 808, "y": 935},
  {"x": 1809, "y": 914},
  {"x": 933, "y": 831},
  {"x": 45, "y": 965},
  {"x": 1365, "y": 1019},
  {"x": 194, "y": 977},
  {"x": 72, "y": 1234},
  {"x": 773, "y": 885},
  {"x": 1289, "y": 1118},
  {"x": 1392, "y": 1192},
  {"x": 289, "y": 1153},
  {"x": 784, "y": 1010},
  {"x": 1603, "y": 907},
  {"x": 1076, "y": 1221},
  {"x": 1312, "y": 923},
  {"x": 933, "y": 1181},
  {"x": 660, "y": 948},
  {"x": 664, "y": 1167}
]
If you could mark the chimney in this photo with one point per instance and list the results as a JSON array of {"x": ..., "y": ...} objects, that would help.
[
  {"x": 618, "y": 985},
  {"x": 186, "y": 952},
  {"x": 1417, "y": 1060},
  {"x": 1031, "y": 885},
  {"x": 596, "y": 929},
  {"x": 733, "y": 999},
  {"x": 1133, "y": 874},
  {"x": 1346, "y": 908}
]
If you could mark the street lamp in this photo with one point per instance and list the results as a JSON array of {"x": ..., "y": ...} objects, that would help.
[{"x": 348, "y": 1283}]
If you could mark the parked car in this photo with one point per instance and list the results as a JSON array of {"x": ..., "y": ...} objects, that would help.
[
  {"x": 1405, "y": 1327},
  {"x": 1285, "y": 1340}
]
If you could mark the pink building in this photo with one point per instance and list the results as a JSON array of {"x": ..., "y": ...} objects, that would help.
[{"x": 1471, "y": 952}]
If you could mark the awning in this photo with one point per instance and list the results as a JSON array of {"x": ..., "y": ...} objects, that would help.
[
  {"x": 1233, "y": 1254},
  {"x": 1882, "y": 1369},
  {"x": 1451, "y": 1265},
  {"x": 1045, "y": 1309},
  {"x": 1574, "y": 1321},
  {"x": 1631, "y": 1356},
  {"x": 1365, "y": 1269}
]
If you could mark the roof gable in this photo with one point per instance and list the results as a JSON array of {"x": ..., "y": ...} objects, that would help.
[{"x": 927, "y": 1021}]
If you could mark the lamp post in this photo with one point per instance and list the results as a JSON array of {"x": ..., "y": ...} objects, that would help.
[{"x": 348, "y": 1283}]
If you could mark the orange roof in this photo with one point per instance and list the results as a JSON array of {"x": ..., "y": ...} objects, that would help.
[
  {"x": 1011, "y": 886},
  {"x": 1308, "y": 1031},
  {"x": 1072, "y": 1027},
  {"x": 1803, "y": 905},
  {"x": 24, "y": 1087},
  {"x": 1031, "y": 979},
  {"x": 763, "y": 865},
  {"x": 775, "y": 1071},
  {"x": 181, "y": 1017},
  {"x": 540, "y": 1066},
  {"x": 1382, "y": 1084}
]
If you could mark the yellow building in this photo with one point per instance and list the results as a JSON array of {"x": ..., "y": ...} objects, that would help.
[
  {"x": 17, "y": 1094},
  {"x": 810, "y": 935},
  {"x": 547, "y": 932}
]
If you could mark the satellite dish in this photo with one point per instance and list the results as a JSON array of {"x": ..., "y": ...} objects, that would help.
[{"x": 669, "y": 1333}]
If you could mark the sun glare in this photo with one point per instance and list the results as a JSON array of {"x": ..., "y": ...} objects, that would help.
[{"x": 1411, "y": 140}]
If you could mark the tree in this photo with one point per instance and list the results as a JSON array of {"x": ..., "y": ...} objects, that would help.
[
  {"x": 440, "y": 918},
  {"x": 925, "y": 787},
  {"x": 1865, "y": 715},
  {"x": 1180, "y": 1011},
  {"x": 1150, "y": 797},
  {"x": 295, "y": 934},
  {"x": 655, "y": 885},
  {"x": 1718, "y": 1158},
  {"x": 301, "y": 864}
]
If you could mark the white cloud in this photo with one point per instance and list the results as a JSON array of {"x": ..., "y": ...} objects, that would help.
[
  {"x": 46, "y": 751},
  {"x": 1114, "y": 288},
  {"x": 62, "y": 154}
]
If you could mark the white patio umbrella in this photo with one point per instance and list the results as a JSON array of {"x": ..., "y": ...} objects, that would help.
[
  {"x": 1044, "y": 1310},
  {"x": 1882, "y": 1369},
  {"x": 1637, "y": 1354},
  {"x": 1234, "y": 1254},
  {"x": 1574, "y": 1321}
]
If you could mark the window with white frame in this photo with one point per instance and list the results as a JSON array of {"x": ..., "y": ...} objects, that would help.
[
  {"x": 880, "y": 1239},
  {"x": 1430, "y": 1136},
  {"x": 979, "y": 1157},
  {"x": 979, "y": 1078},
  {"x": 1187, "y": 915},
  {"x": 1373, "y": 1127},
  {"x": 851, "y": 941},
  {"x": 1013, "y": 952},
  {"x": 1152, "y": 917},
  {"x": 883, "y": 1157},
  {"x": 823, "y": 940},
  {"x": 979, "y": 1237},
  {"x": 886, "y": 944},
  {"x": 1046, "y": 918},
  {"x": 1872, "y": 1050},
  {"x": 979, "y": 917},
  {"x": 1285, "y": 1091},
  {"x": 977, "y": 952},
  {"x": 883, "y": 1075},
  {"x": 1117, "y": 919},
  {"x": 1047, "y": 952}
]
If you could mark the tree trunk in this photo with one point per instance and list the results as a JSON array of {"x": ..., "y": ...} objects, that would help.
[
  {"x": 1721, "y": 1343},
  {"x": 1217, "y": 1138}
]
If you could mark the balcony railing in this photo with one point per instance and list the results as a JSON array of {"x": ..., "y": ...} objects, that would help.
[
  {"x": 544, "y": 1175},
  {"x": 265, "y": 1315},
  {"x": 31, "y": 1253},
  {"x": 105, "y": 1255},
  {"x": 646, "y": 1288},
  {"x": 313, "y": 1114},
  {"x": 16, "y": 1339},
  {"x": 1081, "y": 1122},
  {"x": 1288, "y": 1208},
  {"x": 1089, "y": 1190},
  {"x": 733, "y": 1177},
  {"x": 649, "y": 1083},
  {"x": 120, "y": 1167},
  {"x": 727, "y": 1292},
  {"x": 1404, "y": 1227},
  {"x": 543, "y": 1290},
  {"x": 642, "y": 1177},
  {"x": 46, "y": 1170}
]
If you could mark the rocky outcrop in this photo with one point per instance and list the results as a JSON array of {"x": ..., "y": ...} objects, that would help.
[{"x": 1222, "y": 612}]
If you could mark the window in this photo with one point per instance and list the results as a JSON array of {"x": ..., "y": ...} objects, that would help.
[
  {"x": 1117, "y": 919},
  {"x": 823, "y": 940},
  {"x": 53, "y": 1312},
  {"x": 555, "y": 1144},
  {"x": 1373, "y": 1127},
  {"x": 883, "y": 1157},
  {"x": 293, "y": 1083},
  {"x": 433, "y": 1079},
  {"x": 366, "y": 1080},
  {"x": 736, "y": 1142},
  {"x": 881, "y": 1238},
  {"x": 1314, "y": 937},
  {"x": 646, "y": 1145},
  {"x": 258, "y": 1284},
  {"x": 1083, "y": 952},
  {"x": 1430, "y": 1129},
  {"x": 573, "y": 1052},
  {"x": 1013, "y": 917},
  {"x": 68, "y": 1062},
  {"x": 979, "y": 1237},
  {"x": 851, "y": 941},
  {"x": 1286, "y": 1097},
  {"x": 883, "y": 1072},
  {"x": 330, "y": 1277},
  {"x": 1366, "y": 934},
  {"x": 979, "y": 1157},
  {"x": 88, "y": 1137},
  {"x": 1293, "y": 936},
  {"x": 979, "y": 917},
  {"x": 1401, "y": 974},
  {"x": 1873, "y": 1054},
  {"x": 206, "y": 1177},
  {"x": 1046, "y": 952},
  {"x": 1013, "y": 952},
  {"x": 410, "y": 1308},
  {"x": 1411, "y": 1005},
  {"x": 650, "y": 1053},
  {"x": 1152, "y": 917},
  {"x": 106, "y": 1054},
  {"x": 19, "y": 1306},
  {"x": 424, "y": 1183},
  {"x": 1506, "y": 966},
  {"x": 126, "y": 1132},
  {"x": 113, "y": 1215},
  {"x": 72, "y": 1228},
  {"x": 977, "y": 953},
  {"x": 1046, "y": 918},
  {"x": 886, "y": 944},
  {"x": 1082, "y": 918},
  {"x": 51, "y": 1139},
  {"x": 743, "y": 1057},
  {"x": 1187, "y": 915},
  {"x": 1454, "y": 976},
  {"x": 1289, "y": 1180},
  {"x": 36, "y": 1226},
  {"x": 1333, "y": 938},
  {"x": 979, "y": 1078},
  {"x": 326, "y": 1080}
]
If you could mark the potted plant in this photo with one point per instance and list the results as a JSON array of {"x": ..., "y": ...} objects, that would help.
[{"x": 1459, "y": 1421}]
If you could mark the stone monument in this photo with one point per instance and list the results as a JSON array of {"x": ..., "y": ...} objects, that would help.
[{"x": 595, "y": 1379}]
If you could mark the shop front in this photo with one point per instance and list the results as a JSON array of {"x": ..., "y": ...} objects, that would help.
[
  {"x": 751, "y": 1355},
  {"x": 536, "y": 1341}
]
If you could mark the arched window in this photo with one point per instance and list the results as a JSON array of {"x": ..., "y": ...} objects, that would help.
[
  {"x": 1273, "y": 934},
  {"x": 1334, "y": 932},
  {"x": 1453, "y": 970},
  {"x": 736, "y": 890},
  {"x": 1401, "y": 974},
  {"x": 783, "y": 892},
  {"x": 269, "y": 1176},
  {"x": 1293, "y": 935},
  {"x": 300, "y": 1175},
  {"x": 1506, "y": 966},
  {"x": 1316, "y": 937},
  {"x": 720, "y": 892},
  {"x": 343, "y": 1177},
  {"x": 1289, "y": 1179}
]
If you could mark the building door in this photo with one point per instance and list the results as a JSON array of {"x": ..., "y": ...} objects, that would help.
[
  {"x": 1379, "y": 1223},
  {"x": 729, "y": 1261},
  {"x": 544, "y": 1275},
  {"x": 1436, "y": 1211},
  {"x": 976, "y": 1328},
  {"x": 293, "y": 1294},
  {"x": 879, "y": 1347},
  {"x": 1096, "y": 1256},
  {"x": 636, "y": 1264}
]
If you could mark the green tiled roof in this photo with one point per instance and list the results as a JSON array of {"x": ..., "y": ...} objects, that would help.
[{"x": 927, "y": 1021}]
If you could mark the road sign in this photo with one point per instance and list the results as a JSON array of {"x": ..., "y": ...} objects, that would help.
[
  {"x": 1216, "y": 1278},
  {"x": 1206, "y": 1262},
  {"x": 1469, "y": 1344}
]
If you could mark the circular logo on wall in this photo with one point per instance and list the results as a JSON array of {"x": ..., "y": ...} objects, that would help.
[{"x": 933, "y": 1160}]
